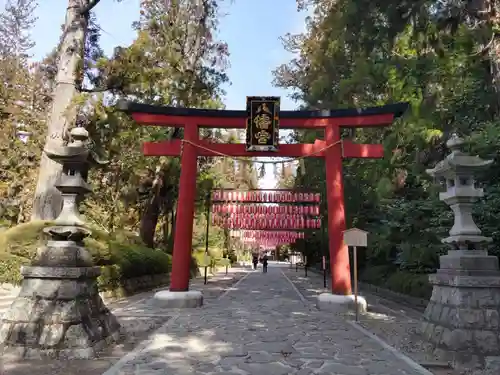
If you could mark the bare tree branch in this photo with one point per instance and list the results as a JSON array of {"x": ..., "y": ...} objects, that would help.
[
  {"x": 103, "y": 89},
  {"x": 485, "y": 48},
  {"x": 91, "y": 5},
  {"x": 100, "y": 89}
]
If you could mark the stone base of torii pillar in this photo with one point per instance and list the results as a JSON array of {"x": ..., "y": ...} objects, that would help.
[
  {"x": 175, "y": 300},
  {"x": 340, "y": 304}
]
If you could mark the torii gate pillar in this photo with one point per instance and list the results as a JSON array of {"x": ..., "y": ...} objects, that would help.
[
  {"x": 339, "y": 253},
  {"x": 181, "y": 259}
]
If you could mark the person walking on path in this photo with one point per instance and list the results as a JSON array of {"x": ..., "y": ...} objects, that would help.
[
  {"x": 255, "y": 261},
  {"x": 264, "y": 263}
]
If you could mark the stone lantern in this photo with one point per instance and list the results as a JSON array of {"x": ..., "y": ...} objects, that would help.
[
  {"x": 462, "y": 317},
  {"x": 59, "y": 312}
]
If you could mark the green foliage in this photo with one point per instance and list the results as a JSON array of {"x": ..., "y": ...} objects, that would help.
[
  {"x": 10, "y": 268},
  {"x": 216, "y": 254},
  {"x": 23, "y": 99},
  {"x": 121, "y": 255},
  {"x": 359, "y": 53},
  {"x": 386, "y": 276}
]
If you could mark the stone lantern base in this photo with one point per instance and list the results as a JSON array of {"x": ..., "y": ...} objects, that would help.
[
  {"x": 462, "y": 317},
  {"x": 58, "y": 312}
]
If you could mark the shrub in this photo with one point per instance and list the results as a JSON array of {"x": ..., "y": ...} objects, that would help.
[
  {"x": 412, "y": 284},
  {"x": 199, "y": 253},
  {"x": 376, "y": 275},
  {"x": 23, "y": 240},
  {"x": 121, "y": 255},
  {"x": 10, "y": 268}
]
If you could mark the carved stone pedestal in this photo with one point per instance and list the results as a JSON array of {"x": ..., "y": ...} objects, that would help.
[
  {"x": 462, "y": 319},
  {"x": 58, "y": 312}
]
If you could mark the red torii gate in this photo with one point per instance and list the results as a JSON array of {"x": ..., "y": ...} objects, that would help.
[{"x": 332, "y": 148}]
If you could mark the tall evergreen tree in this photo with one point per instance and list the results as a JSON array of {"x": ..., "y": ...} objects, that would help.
[{"x": 22, "y": 107}]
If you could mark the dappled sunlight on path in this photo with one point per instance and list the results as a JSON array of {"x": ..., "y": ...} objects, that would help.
[
  {"x": 397, "y": 325},
  {"x": 138, "y": 317},
  {"x": 262, "y": 327}
]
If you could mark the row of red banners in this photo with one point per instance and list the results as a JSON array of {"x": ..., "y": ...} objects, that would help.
[
  {"x": 266, "y": 217},
  {"x": 267, "y": 234},
  {"x": 265, "y": 222},
  {"x": 261, "y": 209},
  {"x": 263, "y": 196},
  {"x": 269, "y": 242}
]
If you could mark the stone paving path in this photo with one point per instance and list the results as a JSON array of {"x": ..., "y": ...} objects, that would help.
[
  {"x": 397, "y": 325},
  {"x": 138, "y": 319},
  {"x": 262, "y": 326}
]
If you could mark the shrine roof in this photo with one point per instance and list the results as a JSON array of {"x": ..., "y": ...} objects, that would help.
[{"x": 397, "y": 109}]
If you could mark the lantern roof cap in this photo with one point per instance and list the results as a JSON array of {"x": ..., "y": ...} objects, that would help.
[{"x": 458, "y": 160}]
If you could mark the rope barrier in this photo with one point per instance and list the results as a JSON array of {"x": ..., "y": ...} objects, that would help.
[{"x": 265, "y": 161}]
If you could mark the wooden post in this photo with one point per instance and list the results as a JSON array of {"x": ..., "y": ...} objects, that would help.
[
  {"x": 207, "y": 230},
  {"x": 324, "y": 272},
  {"x": 355, "y": 264},
  {"x": 323, "y": 251},
  {"x": 355, "y": 237},
  {"x": 305, "y": 265}
]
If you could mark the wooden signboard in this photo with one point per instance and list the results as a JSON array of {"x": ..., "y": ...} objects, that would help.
[
  {"x": 262, "y": 123},
  {"x": 356, "y": 237}
]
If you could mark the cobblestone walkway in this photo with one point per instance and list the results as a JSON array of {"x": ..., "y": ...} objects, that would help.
[{"x": 260, "y": 327}]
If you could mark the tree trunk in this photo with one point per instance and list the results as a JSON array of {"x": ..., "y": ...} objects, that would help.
[
  {"x": 486, "y": 11},
  {"x": 166, "y": 230},
  {"x": 47, "y": 202},
  {"x": 149, "y": 220},
  {"x": 172, "y": 231},
  {"x": 494, "y": 56},
  {"x": 168, "y": 227}
]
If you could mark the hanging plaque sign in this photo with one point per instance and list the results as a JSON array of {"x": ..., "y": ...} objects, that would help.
[{"x": 262, "y": 123}]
